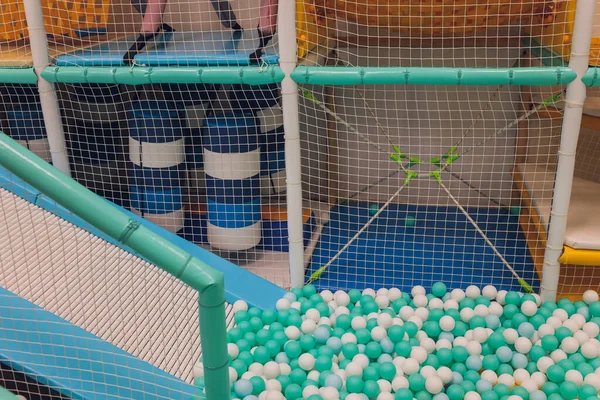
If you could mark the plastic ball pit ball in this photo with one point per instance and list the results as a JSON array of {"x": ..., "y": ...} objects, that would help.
[{"x": 471, "y": 344}]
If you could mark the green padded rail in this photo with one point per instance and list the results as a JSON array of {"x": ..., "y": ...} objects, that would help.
[
  {"x": 18, "y": 76},
  {"x": 433, "y": 76},
  {"x": 592, "y": 77},
  {"x": 148, "y": 75},
  {"x": 102, "y": 215}
]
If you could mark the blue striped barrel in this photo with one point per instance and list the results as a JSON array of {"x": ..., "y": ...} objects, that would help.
[
  {"x": 272, "y": 146},
  {"x": 26, "y": 126},
  {"x": 157, "y": 162},
  {"x": 232, "y": 168},
  {"x": 196, "y": 186}
]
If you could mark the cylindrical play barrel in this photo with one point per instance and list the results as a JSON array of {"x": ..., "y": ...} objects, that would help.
[
  {"x": 272, "y": 151},
  {"x": 232, "y": 168},
  {"x": 26, "y": 126},
  {"x": 157, "y": 162}
]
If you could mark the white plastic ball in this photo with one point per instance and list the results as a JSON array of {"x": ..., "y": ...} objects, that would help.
[
  {"x": 362, "y": 360},
  {"x": 198, "y": 370},
  {"x": 308, "y": 326},
  {"x": 313, "y": 313},
  {"x": 539, "y": 378},
  {"x": 421, "y": 335},
  {"x": 450, "y": 304},
  {"x": 427, "y": 371},
  {"x": 306, "y": 361},
  {"x": 457, "y": 294},
  {"x": 554, "y": 322},
  {"x": 378, "y": 333},
  {"x": 274, "y": 395},
  {"x": 256, "y": 368},
  {"x": 482, "y": 310},
  {"x": 382, "y": 302},
  {"x": 558, "y": 355},
  {"x": 369, "y": 292},
  {"x": 592, "y": 379},
  {"x": 417, "y": 321},
  {"x": 436, "y": 303},
  {"x": 354, "y": 369},
  {"x": 283, "y": 304},
  {"x": 501, "y": 297},
  {"x": 473, "y": 292},
  {"x": 418, "y": 353},
  {"x": 579, "y": 319},
  {"x": 574, "y": 376},
  {"x": 447, "y": 323},
  {"x": 385, "y": 320},
  {"x": 434, "y": 385},
  {"x": 590, "y": 350},
  {"x": 560, "y": 314},
  {"x": 571, "y": 325},
  {"x": 460, "y": 341},
  {"x": 590, "y": 296},
  {"x": 358, "y": 322},
  {"x": 398, "y": 321},
  {"x": 466, "y": 314},
  {"x": 472, "y": 396},
  {"x": 313, "y": 375},
  {"x": 443, "y": 344},
  {"x": 384, "y": 396},
  {"x": 507, "y": 379},
  {"x": 349, "y": 337},
  {"x": 474, "y": 348},
  {"x": 428, "y": 344},
  {"x": 510, "y": 335},
  {"x": 240, "y": 305},
  {"x": 545, "y": 329},
  {"x": 352, "y": 396},
  {"x": 420, "y": 300},
  {"x": 591, "y": 329},
  {"x": 327, "y": 296},
  {"x": 296, "y": 305},
  {"x": 569, "y": 345},
  {"x": 399, "y": 382},
  {"x": 480, "y": 335},
  {"x": 233, "y": 350},
  {"x": 529, "y": 308},
  {"x": 521, "y": 375},
  {"x": 581, "y": 337},
  {"x": 394, "y": 294},
  {"x": 273, "y": 385},
  {"x": 310, "y": 390},
  {"x": 418, "y": 290},
  {"x": 495, "y": 309},
  {"x": 445, "y": 374},
  {"x": 490, "y": 376},
  {"x": 410, "y": 366},
  {"x": 285, "y": 369},
  {"x": 329, "y": 393},
  {"x": 422, "y": 313},
  {"x": 489, "y": 291},
  {"x": 530, "y": 385},
  {"x": 523, "y": 345},
  {"x": 384, "y": 386},
  {"x": 406, "y": 312},
  {"x": 342, "y": 310},
  {"x": 271, "y": 370},
  {"x": 544, "y": 363}
]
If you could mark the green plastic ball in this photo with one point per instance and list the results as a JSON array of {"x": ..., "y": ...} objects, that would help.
[
  {"x": 395, "y": 333},
  {"x": 416, "y": 382},
  {"x": 501, "y": 390},
  {"x": 258, "y": 385},
  {"x": 370, "y": 374},
  {"x": 460, "y": 354},
  {"x": 521, "y": 392},
  {"x": 371, "y": 389},
  {"x": 438, "y": 289},
  {"x": 555, "y": 374},
  {"x": 403, "y": 394},
  {"x": 387, "y": 371},
  {"x": 569, "y": 390},
  {"x": 307, "y": 342},
  {"x": 354, "y": 384},
  {"x": 455, "y": 392},
  {"x": 550, "y": 388},
  {"x": 550, "y": 343},
  {"x": 512, "y": 298},
  {"x": 293, "y": 349},
  {"x": 373, "y": 208},
  {"x": 349, "y": 350},
  {"x": 410, "y": 221}
]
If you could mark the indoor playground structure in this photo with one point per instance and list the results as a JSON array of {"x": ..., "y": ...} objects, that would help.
[{"x": 310, "y": 199}]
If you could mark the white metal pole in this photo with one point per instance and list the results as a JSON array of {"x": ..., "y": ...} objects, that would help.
[
  {"x": 289, "y": 101},
  {"x": 575, "y": 97},
  {"x": 48, "y": 98}
]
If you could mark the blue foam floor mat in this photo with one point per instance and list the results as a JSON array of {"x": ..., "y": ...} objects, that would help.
[
  {"x": 442, "y": 246},
  {"x": 219, "y": 48}
]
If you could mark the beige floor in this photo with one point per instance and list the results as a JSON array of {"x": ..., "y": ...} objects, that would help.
[{"x": 105, "y": 290}]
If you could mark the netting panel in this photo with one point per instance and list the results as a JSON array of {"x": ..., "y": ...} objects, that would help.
[{"x": 99, "y": 287}]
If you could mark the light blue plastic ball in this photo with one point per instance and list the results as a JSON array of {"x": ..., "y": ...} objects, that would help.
[
  {"x": 537, "y": 395},
  {"x": 243, "y": 387},
  {"x": 251, "y": 397},
  {"x": 446, "y": 335},
  {"x": 483, "y": 385},
  {"x": 321, "y": 334},
  {"x": 331, "y": 310},
  {"x": 446, "y": 296},
  {"x": 456, "y": 378},
  {"x": 282, "y": 358},
  {"x": 526, "y": 329},
  {"x": 585, "y": 312},
  {"x": 385, "y": 358},
  {"x": 519, "y": 360},
  {"x": 335, "y": 344},
  {"x": 289, "y": 296},
  {"x": 441, "y": 396},
  {"x": 504, "y": 354},
  {"x": 361, "y": 348},
  {"x": 334, "y": 380},
  {"x": 492, "y": 321},
  {"x": 473, "y": 362},
  {"x": 387, "y": 345}
]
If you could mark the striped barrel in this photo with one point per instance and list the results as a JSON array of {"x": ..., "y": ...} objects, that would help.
[
  {"x": 232, "y": 168},
  {"x": 196, "y": 186},
  {"x": 157, "y": 162},
  {"x": 26, "y": 126},
  {"x": 96, "y": 138},
  {"x": 272, "y": 146}
]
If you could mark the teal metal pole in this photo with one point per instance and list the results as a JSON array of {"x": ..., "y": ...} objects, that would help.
[
  {"x": 537, "y": 76},
  {"x": 102, "y": 215},
  {"x": 148, "y": 75},
  {"x": 18, "y": 76}
]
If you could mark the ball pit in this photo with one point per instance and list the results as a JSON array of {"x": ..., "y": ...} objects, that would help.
[{"x": 472, "y": 344}]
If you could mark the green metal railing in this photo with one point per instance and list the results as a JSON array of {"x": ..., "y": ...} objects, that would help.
[
  {"x": 102, "y": 215},
  {"x": 18, "y": 76}
]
